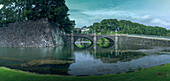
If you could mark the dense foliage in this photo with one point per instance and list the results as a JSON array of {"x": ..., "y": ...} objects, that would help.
[
  {"x": 22, "y": 10},
  {"x": 126, "y": 27},
  {"x": 168, "y": 34}
]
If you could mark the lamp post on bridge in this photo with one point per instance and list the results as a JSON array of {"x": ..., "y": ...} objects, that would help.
[
  {"x": 95, "y": 40},
  {"x": 116, "y": 39},
  {"x": 116, "y": 31},
  {"x": 72, "y": 37},
  {"x": 94, "y": 33},
  {"x": 112, "y": 33}
]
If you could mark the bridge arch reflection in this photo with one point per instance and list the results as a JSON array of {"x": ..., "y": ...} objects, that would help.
[
  {"x": 95, "y": 47},
  {"x": 85, "y": 47},
  {"x": 109, "y": 44},
  {"x": 83, "y": 43}
]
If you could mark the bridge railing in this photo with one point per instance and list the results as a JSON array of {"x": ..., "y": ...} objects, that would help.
[
  {"x": 96, "y": 34},
  {"x": 154, "y": 36},
  {"x": 83, "y": 34}
]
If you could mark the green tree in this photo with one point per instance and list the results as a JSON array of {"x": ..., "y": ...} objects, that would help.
[
  {"x": 126, "y": 27},
  {"x": 22, "y": 10}
]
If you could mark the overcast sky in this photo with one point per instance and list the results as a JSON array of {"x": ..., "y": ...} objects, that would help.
[{"x": 148, "y": 12}]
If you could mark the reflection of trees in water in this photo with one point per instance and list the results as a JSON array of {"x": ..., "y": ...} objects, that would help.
[
  {"x": 38, "y": 60},
  {"x": 85, "y": 46},
  {"x": 36, "y": 53},
  {"x": 111, "y": 46},
  {"x": 61, "y": 69},
  {"x": 111, "y": 54},
  {"x": 57, "y": 60},
  {"x": 133, "y": 47},
  {"x": 65, "y": 53},
  {"x": 113, "y": 57},
  {"x": 46, "y": 66},
  {"x": 82, "y": 45},
  {"x": 105, "y": 43}
]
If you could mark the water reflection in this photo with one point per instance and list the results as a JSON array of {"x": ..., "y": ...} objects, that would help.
[
  {"x": 82, "y": 45},
  {"x": 94, "y": 60}
]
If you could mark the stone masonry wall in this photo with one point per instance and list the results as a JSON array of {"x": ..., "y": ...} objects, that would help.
[
  {"x": 142, "y": 41},
  {"x": 39, "y": 33}
]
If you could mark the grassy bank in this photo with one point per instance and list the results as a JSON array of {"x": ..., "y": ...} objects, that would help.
[{"x": 160, "y": 73}]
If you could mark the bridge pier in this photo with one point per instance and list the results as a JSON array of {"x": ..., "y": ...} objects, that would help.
[
  {"x": 72, "y": 38},
  {"x": 94, "y": 39},
  {"x": 116, "y": 41},
  {"x": 95, "y": 48},
  {"x": 72, "y": 48}
]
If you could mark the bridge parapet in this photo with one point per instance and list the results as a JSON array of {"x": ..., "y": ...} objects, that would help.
[
  {"x": 150, "y": 37},
  {"x": 122, "y": 38},
  {"x": 93, "y": 37}
]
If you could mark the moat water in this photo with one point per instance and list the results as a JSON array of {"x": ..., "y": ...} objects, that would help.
[{"x": 89, "y": 60}]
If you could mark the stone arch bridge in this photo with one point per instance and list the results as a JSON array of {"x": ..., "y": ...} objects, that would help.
[
  {"x": 119, "y": 39},
  {"x": 93, "y": 37}
]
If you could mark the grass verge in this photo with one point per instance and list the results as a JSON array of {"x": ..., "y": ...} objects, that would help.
[{"x": 159, "y": 73}]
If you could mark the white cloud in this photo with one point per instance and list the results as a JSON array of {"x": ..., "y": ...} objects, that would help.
[
  {"x": 1, "y": 6},
  {"x": 89, "y": 17},
  {"x": 149, "y": 20},
  {"x": 142, "y": 18},
  {"x": 159, "y": 21}
]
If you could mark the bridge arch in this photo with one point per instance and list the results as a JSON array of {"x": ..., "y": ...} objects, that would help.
[
  {"x": 111, "y": 40},
  {"x": 78, "y": 37},
  {"x": 85, "y": 46},
  {"x": 93, "y": 38}
]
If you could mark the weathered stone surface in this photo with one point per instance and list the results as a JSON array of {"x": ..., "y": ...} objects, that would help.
[
  {"x": 143, "y": 41},
  {"x": 38, "y": 33},
  {"x": 121, "y": 39}
]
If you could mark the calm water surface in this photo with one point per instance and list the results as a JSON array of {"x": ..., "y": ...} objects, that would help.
[{"x": 91, "y": 60}]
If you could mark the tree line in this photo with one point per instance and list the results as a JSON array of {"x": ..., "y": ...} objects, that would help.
[
  {"x": 22, "y": 10},
  {"x": 126, "y": 27}
]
